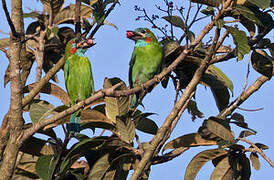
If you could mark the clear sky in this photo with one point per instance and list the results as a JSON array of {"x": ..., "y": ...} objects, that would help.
[{"x": 110, "y": 58}]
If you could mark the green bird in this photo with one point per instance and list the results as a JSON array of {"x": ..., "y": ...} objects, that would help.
[
  {"x": 78, "y": 76},
  {"x": 145, "y": 61}
]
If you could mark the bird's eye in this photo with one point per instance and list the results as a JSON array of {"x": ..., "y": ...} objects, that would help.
[
  {"x": 77, "y": 41},
  {"x": 143, "y": 31}
]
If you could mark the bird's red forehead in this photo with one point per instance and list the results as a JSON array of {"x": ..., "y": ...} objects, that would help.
[{"x": 148, "y": 31}]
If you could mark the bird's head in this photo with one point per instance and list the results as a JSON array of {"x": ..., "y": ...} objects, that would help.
[
  {"x": 142, "y": 34},
  {"x": 78, "y": 46}
]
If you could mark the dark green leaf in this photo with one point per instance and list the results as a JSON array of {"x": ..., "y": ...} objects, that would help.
[
  {"x": 260, "y": 3},
  {"x": 36, "y": 145},
  {"x": 45, "y": 167},
  {"x": 100, "y": 168},
  {"x": 217, "y": 128},
  {"x": 188, "y": 140},
  {"x": 254, "y": 158},
  {"x": 116, "y": 106},
  {"x": 199, "y": 160},
  {"x": 261, "y": 146},
  {"x": 221, "y": 96},
  {"x": 262, "y": 63},
  {"x": 25, "y": 167},
  {"x": 246, "y": 133},
  {"x": 146, "y": 125},
  {"x": 240, "y": 40},
  {"x": 214, "y": 3},
  {"x": 238, "y": 117},
  {"x": 175, "y": 21},
  {"x": 208, "y": 11}
]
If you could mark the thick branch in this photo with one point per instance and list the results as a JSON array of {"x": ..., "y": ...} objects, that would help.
[
  {"x": 15, "y": 123},
  {"x": 77, "y": 18}
]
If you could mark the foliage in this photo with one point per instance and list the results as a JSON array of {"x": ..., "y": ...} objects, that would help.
[{"x": 112, "y": 157}]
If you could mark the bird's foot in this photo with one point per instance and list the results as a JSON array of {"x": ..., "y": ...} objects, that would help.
[{"x": 157, "y": 78}]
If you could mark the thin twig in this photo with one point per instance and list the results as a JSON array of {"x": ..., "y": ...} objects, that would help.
[
  {"x": 244, "y": 109},
  {"x": 258, "y": 150},
  {"x": 12, "y": 28}
]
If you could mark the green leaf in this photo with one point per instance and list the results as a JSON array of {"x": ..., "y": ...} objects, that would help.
[
  {"x": 45, "y": 167},
  {"x": 216, "y": 127},
  {"x": 208, "y": 11},
  {"x": 116, "y": 106},
  {"x": 262, "y": 63},
  {"x": 220, "y": 23},
  {"x": 100, "y": 168},
  {"x": 254, "y": 158},
  {"x": 223, "y": 170},
  {"x": 214, "y": 73},
  {"x": 188, "y": 140},
  {"x": 67, "y": 15},
  {"x": 221, "y": 96},
  {"x": 246, "y": 133},
  {"x": 240, "y": 40},
  {"x": 125, "y": 129},
  {"x": 36, "y": 145},
  {"x": 248, "y": 14},
  {"x": 262, "y": 146},
  {"x": 260, "y": 3},
  {"x": 175, "y": 21},
  {"x": 40, "y": 110},
  {"x": 146, "y": 125},
  {"x": 213, "y": 3},
  {"x": 199, "y": 160},
  {"x": 78, "y": 150}
]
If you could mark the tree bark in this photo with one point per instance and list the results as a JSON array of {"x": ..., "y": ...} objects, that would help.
[{"x": 15, "y": 123}]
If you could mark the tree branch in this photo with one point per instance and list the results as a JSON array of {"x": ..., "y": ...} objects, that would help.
[
  {"x": 15, "y": 123},
  {"x": 145, "y": 161},
  {"x": 258, "y": 150},
  {"x": 77, "y": 18},
  {"x": 102, "y": 22},
  {"x": 12, "y": 28}
]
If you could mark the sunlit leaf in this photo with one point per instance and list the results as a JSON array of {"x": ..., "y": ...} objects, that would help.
[
  {"x": 248, "y": 14},
  {"x": 222, "y": 171},
  {"x": 52, "y": 6},
  {"x": 240, "y": 40},
  {"x": 188, "y": 140},
  {"x": 254, "y": 158},
  {"x": 25, "y": 167},
  {"x": 51, "y": 89},
  {"x": 38, "y": 109},
  {"x": 125, "y": 129},
  {"x": 67, "y": 15},
  {"x": 116, "y": 106},
  {"x": 200, "y": 159}
]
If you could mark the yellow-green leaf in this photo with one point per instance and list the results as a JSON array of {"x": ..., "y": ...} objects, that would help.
[{"x": 254, "y": 158}]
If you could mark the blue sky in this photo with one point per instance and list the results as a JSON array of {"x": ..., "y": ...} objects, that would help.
[{"x": 110, "y": 58}]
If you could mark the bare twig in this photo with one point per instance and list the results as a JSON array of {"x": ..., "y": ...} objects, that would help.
[
  {"x": 244, "y": 109},
  {"x": 258, "y": 150},
  {"x": 250, "y": 90},
  {"x": 12, "y": 28},
  {"x": 77, "y": 18}
]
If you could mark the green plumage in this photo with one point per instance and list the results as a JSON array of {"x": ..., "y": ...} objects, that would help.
[
  {"x": 78, "y": 77},
  {"x": 145, "y": 61}
]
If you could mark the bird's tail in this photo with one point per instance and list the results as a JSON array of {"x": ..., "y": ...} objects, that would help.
[{"x": 74, "y": 123}]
